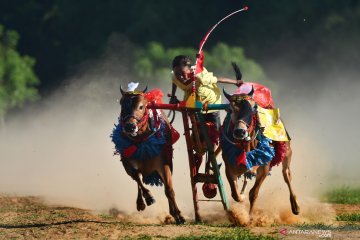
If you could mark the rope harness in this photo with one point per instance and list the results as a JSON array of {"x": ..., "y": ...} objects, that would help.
[
  {"x": 150, "y": 117},
  {"x": 252, "y": 128}
]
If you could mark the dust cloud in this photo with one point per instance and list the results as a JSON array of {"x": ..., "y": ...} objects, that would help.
[
  {"x": 60, "y": 149},
  {"x": 321, "y": 114}
]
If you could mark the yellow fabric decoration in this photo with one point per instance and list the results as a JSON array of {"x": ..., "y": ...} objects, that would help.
[
  {"x": 274, "y": 128},
  {"x": 206, "y": 88}
]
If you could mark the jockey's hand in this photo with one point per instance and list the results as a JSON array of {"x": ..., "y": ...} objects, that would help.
[
  {"x": 174, "y": 100},
  {"x": 239, "y": 83}
]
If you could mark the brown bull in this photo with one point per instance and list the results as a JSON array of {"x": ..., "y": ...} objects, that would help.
[
  {"x": 241, "y": 134},
  {"x": 143, "y": 139}
]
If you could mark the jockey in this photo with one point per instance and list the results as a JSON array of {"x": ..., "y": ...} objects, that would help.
[{"x": 206, "y": 89}]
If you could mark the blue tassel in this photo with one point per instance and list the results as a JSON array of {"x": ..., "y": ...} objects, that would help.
[
  {"x": 153, "y": 179},
  {"x": 148, "y": 149},
  {"x": 259, "y": 156}
]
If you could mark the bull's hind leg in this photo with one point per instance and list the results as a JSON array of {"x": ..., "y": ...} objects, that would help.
[
  {"x": 243, "y": 189},
  {"x": 170, "y": 194},
  {"x": 261, "y": 174},
  {"x": 287, "y": 177}
]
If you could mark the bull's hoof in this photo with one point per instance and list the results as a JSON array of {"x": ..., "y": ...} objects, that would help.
[
  {"x": 149, "y": 201},
  {"x": 236, "y": 197},
  {"x": 180, "y": 220},
  {"x": 294, "y": 205},
  {"x": 140, "y": 206}
]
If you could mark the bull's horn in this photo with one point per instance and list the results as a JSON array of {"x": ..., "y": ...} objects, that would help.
[
  {"x": 144, "y": 91},
  {"x": 121, "y": 90},
  {"x": 251, "y": 93},
  {"x": 228, "y": 96}
]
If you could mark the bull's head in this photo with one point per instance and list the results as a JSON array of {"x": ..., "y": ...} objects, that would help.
[
  {"x": 241, "y": 106},
  {"x": 133, "y": 111}
]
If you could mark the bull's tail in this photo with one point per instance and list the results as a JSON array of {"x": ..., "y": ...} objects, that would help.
[{"x": 237, "y": 71}]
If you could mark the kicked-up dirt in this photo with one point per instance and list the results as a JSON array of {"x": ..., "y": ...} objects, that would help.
[{"x": 31, "y": 218}]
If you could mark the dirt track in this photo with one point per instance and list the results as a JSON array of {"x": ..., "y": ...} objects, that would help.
[{"x": 29, "y": 217}]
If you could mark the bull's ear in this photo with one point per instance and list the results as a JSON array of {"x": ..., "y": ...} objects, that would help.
[
  {"x": 144, "y": 91},
  {"x": 121, "y": 90},
  {"x": 228, "y": 96},
  {"x": 251, "y": 93}
]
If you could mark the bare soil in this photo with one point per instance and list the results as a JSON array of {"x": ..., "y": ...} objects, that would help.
[{"x": 31, "y": 218}]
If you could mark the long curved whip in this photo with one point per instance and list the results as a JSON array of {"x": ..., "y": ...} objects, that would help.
[{"x": 203, "y": 41}]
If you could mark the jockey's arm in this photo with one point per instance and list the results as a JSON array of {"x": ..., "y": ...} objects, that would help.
[
  {"x": 230, "y": 81},
  {"x": 173, "y": 98}
]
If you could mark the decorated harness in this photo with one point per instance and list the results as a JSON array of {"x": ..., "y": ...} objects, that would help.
[
  {"x": 253, "y": 151},
  {"x": 150, "y": 145}
]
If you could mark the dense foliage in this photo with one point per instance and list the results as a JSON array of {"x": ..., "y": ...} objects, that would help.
[
  {"x": 153, "y": 62},
  {"x": 17, "y": 77},
  {"x": 63, "y": 33}
]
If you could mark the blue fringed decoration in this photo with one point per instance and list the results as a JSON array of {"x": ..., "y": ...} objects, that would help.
[
  {"x": 148, "y": 149},
  {"x": 260, "y": 156},
  {"x": 249, "y": 175},
  {"x": 153, "y": 179}
]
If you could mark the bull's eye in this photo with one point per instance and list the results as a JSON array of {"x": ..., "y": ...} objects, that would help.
[{"x": 141, "y": 107}]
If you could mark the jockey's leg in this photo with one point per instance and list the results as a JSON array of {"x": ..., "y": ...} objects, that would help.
[
  {"x": 287, "y": 177},
  {"x": 261, "y": 174},
  {"x": 165, "y": 174}
]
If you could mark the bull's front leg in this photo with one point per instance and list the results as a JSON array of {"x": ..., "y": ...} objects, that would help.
[
  {"x": 232, "y": 174},
  {"x": 261, "y": 174},
  {"x": 170, "y": 194},
  {"x": 140, "y": 205},
  {"x": 142, "y": 190}
]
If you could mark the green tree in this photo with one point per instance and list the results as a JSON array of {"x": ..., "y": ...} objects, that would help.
[
  {"x": 153, "y": 63},
  {"x": 17, "y": 77}
]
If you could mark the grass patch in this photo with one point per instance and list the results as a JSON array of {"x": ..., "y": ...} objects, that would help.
[
  {"x": 141, "y": 237},
  {"x": 343, "y": 195},
  {"x": 105, "y": 216},
  {"x": 236, "y": 234},
  {"x": 322, "y": 226},
  {"x": 352, "y": 217}
]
